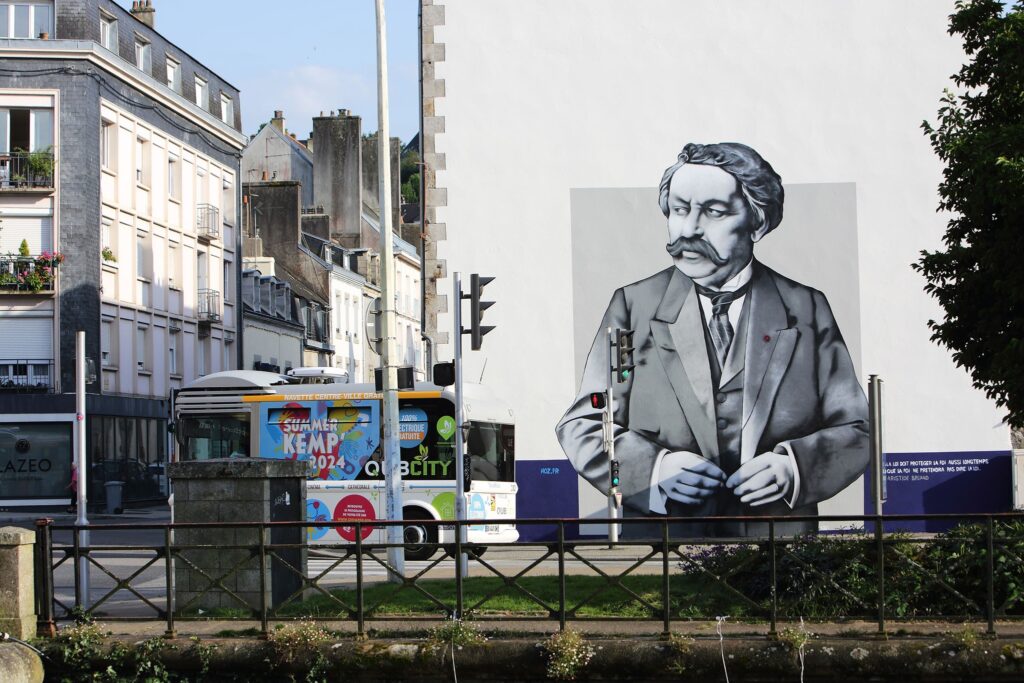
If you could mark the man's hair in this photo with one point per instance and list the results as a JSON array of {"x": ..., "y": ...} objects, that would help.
[{"x": 760, "y": 184}]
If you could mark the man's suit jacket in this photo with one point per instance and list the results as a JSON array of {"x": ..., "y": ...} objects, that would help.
[{"x": 799, "y": 387}]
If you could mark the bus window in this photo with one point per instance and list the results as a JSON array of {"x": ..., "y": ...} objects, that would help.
[
  {"x": 214, "y": 436},
  {"x": 490, "y": 447}
]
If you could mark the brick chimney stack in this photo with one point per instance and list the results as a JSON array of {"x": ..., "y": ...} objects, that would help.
[
  {"x": 144, "y": 12},
  {"x": 278, "y": 120}
]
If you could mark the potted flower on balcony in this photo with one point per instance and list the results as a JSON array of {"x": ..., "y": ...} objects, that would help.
[
  {"x": 35, "y": 279},
  {"x": 8, "y": 280},
  {"x": 51, "y": 259},
  {"x": 108, "y": 255},
  {"x": 39, "y": 166}
]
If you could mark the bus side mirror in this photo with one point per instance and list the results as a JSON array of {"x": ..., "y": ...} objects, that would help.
[{"x": 444, "y": 374}]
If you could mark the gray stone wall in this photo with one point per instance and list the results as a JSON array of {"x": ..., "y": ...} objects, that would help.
[
  {"x": 433, "y": 161},
  {"x": 232, "y": 491}
]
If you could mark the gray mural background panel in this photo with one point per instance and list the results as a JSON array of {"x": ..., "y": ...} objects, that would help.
[{"x": 619, "y": 236}]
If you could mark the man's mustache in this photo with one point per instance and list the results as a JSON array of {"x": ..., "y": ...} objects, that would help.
[{"x": 697, "y": 246}]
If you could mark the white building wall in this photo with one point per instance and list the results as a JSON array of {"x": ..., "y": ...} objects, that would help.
[
  {"x": 150, "y": 193},
  {"x": 346, "y": 323},
  {"x": 828, "y": 91}
]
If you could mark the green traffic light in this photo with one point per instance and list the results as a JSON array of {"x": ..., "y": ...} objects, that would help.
[{"x": 625, "y": 374}]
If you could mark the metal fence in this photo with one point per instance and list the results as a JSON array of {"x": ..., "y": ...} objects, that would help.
[{"x": 867, "y": 572}]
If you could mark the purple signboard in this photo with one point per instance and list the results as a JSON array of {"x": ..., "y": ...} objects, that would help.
[
  {"x": 547, "y": 489},
  {"x": 967, "y": 482}
]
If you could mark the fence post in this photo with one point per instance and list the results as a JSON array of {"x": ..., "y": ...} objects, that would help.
[
  {"x": 360, "y": 617},
  {"x": 772, "y": 631},
  {"x": 990, "y": 600},
  {"x": 45, "y": 625},
  {"x": 880, "y": 549},
  {"x": 458, "y": 568},
  {"x": 666, "y": 605},
  {"x": 18, "y": 615},
  {"x": 169, "y": 579},
  {"x": 77, "y": 553},
  {"x": 264, "y": 621},
  {"x": 561, "y": 575}
]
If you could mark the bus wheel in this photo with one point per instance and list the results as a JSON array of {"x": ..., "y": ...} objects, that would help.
[{"x": 420, "y": 539}]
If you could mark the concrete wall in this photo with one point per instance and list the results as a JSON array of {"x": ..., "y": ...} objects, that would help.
[
  {"x": 276, "y": 344},
  {"x": 271, "y": 151},
  {"x": 607, "y": 94},
  {"x": 371, "y": 176}
]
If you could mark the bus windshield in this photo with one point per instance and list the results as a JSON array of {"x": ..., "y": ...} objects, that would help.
[{"x": 213, "y": 436}]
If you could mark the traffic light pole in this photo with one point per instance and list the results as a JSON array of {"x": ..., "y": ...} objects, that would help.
[
  {"x": 460, "y": 448},
  {"x": 389, "y": 368},
  {"x": 609, "y": 443}
]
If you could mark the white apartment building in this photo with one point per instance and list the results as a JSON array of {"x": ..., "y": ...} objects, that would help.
[{"x": 168, "y": 235}]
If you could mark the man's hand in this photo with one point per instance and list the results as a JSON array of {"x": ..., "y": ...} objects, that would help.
[
  {"x": 762, "y": 480},
  {"x": 688, "y": 478}
]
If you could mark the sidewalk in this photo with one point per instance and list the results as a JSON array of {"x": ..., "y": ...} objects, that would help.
[{"x": 156, "y": 514}]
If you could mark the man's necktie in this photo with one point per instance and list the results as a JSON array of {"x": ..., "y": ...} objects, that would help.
[{"x": 719, "y": 325}]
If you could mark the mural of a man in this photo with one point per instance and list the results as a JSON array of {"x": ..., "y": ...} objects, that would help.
[{"x": 744, "y": 399}]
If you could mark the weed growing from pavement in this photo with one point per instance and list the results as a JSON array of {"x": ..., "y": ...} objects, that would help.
[
  {"x": 298, "y": 643},
  {"x": 568, "y": 655}
]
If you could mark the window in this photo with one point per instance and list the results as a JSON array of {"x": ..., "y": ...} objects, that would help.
[
  {"x": 143, "y": 55},
  {"x": 25, "y": 130},
  {"x": 108, "y": 32},
  {"x": 173, "y": 176},
  {"x": 173, "y": 362},
  {"x": 142, "y": 349},
  {"x": 25, "y": 20},
  {"x": 106, "y": 238},
  {"x": 227, "y": 109},
  {"x": 142, "y": 252},
  {"x": 108, "y": 141},
  {"x": 227, "y": 281},
  {"x": 202, "y": 97},
  {"x": 141, "y": 162},
  {"x": 173, "y": 265},
  {"x": 106, "y": 337},
  {"x": 174, "y": 75}
]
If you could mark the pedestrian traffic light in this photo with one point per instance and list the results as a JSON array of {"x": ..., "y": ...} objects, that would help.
[
  {"x": 597, "y": 400},
  {"x": 624, "y": 354},
  {"x": 476, "y": 310},
  {"x": 614, "y": 471}
]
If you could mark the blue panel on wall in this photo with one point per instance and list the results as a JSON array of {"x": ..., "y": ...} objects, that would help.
[
  {"x": 547, "y": 489},
  {"x": 943, "y": 483}
]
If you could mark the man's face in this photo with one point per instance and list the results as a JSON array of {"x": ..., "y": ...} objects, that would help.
[{"x": 708, "y": 213}]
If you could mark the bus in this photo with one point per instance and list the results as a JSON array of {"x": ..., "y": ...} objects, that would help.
[{"x": 338, "y": 429}]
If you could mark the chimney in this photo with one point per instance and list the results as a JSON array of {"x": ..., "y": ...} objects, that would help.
[
  {"x": 337, "y": 167},
  {"x": 278, "y": 120},
  {"x": 144, "y": 12}
]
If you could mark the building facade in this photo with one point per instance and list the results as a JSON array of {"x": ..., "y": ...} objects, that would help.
[{"x": 119, "y": 195}]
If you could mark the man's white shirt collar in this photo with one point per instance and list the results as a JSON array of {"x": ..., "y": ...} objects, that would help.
[{"x": 736, "y": 281}]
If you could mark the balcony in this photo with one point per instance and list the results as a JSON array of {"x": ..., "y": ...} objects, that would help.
[
  {"x": 208, "y": 306},
  {"x": 26, "y": 375},
  {"x": 21, "y": 170},
  {"x": 207, "y": 222},
  {"x": 29, "y": 274}
]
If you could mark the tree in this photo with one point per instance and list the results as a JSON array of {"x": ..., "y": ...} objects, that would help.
[
  {"x": 410, "y": 175},
  {"x": 977, "y": 276}
]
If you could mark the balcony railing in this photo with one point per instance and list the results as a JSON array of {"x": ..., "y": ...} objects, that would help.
[
  {"x": 207, "y": 222},
  {"x": 27, "y": 274},
  {"x": 26, "y": 375},
  {"x": 208, "y": 306},
  {"x": 27, "y": 170}
]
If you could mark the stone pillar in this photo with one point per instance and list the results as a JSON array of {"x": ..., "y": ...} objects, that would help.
[
  {"x": 236, "y": 490},
  {"x": 17, "y": 587}
]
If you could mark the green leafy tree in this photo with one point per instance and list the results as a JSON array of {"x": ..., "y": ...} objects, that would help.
[
  {"x": 410, "y": 174},
  {"x": 976, "y": 276}
]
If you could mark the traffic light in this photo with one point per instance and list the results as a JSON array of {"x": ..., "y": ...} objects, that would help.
[
  {"x": 476, "y": 310},
  {"x": 614, "y": 472},
  {"x": 597, "y": 400},
  {"x": 624, "y": 354}
]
